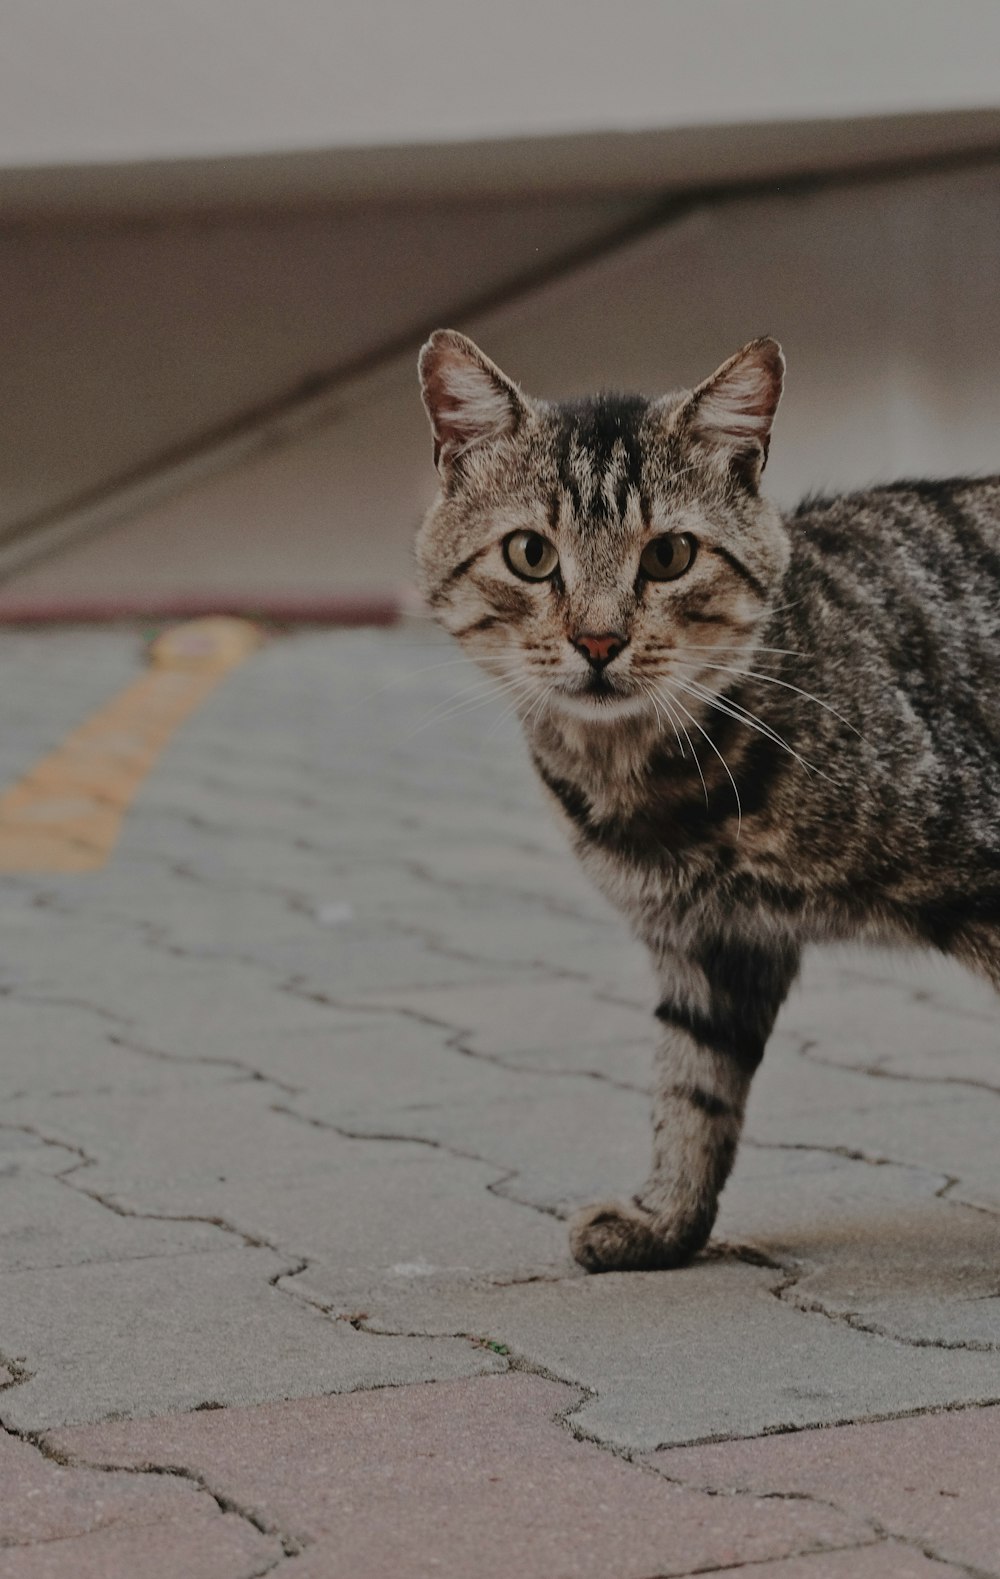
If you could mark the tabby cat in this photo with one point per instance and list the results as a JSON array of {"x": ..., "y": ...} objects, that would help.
[{"x": 760, "y": 730}]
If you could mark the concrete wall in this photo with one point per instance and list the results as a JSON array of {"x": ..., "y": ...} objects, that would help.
[
  {"x": 883, "y": 293},
  {"x": 126, "y": 342},
  {"x": 213, "y": 206}
]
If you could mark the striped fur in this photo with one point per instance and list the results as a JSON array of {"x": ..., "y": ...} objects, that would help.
[{"x": 797, "y": 742}]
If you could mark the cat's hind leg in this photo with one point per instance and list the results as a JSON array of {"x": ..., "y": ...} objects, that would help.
[{"x": 714, "y": 1034}]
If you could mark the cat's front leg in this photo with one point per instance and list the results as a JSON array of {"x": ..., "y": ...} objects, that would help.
[{"x": 717, "y": 1013}]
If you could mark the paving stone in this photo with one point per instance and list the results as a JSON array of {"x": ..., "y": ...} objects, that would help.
[
  {"x": 458, "y": 1479},
  {"x": 535, "y": 1131},
  {"x": 202, "y": 1547},
  {"x": 54, "y": 1048},
  {"x": 564, "y": 1142},
  {"x": 207, "y": 1010},
  {"x": 874, "y": 1245},
  {"x": 931, "y": 1479},
  {"x": 337, "y": 962},
  {"x": 145, "y": 1337},
  {"x": 887, "y": 1560},
  {"x": 940, "y": 1024},
  {"x": 946, "y": 1129},
  {"x": 191, "y": 988},
  {"x": 554, "y": 1024},
  {"x": 705, "y": 1352},
  {"x": 365, "y": 1213},
  {"x": 240, "y": 936},
  {"x": 45, "y": 1222},
  {"x": 59, "y": 1522}
]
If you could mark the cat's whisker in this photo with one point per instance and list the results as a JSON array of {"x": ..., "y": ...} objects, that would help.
[
  {"x": 725, "y": 764},
  {"x": 780, "y": 608},
  {"x": 748, "y": 647},
  {"x": 471, "y": 698},
  {"x": 694, "y": 754},
  {"x": 686, "y": 735},
  {"x": 647, "y": 691},
  {"x": 544, "y": 697},
  {"x": 650, "y": 691},
  {"x": 730, "y": 708},
  {"x": 412, "y": 674},
  {"x": 524, "y": 690},
  {"x": 680, "y": 472},
  {"x": 676, "y": 720},
  {"x": 742, "y": 715},
  {"x": 755, "y": 674},
  {"x": 440, "y": 717}
]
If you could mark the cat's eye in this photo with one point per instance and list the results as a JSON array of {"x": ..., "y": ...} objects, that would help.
[
  {"x": 667, "y": 557},
  {"x": 530, "y": 555}
]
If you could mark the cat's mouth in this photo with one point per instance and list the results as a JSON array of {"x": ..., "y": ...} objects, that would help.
[
  {"x": 600, "y": 686},
  {"x": 600, "y": 697}
]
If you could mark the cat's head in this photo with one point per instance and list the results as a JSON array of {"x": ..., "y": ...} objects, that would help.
[{"x": 590, "y": 553}]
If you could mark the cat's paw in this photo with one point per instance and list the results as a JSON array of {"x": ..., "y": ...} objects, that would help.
[{"x": 612, "y": 1237}]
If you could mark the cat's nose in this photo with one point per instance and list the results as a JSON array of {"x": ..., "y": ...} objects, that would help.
[{"x": 599, "y": 650}]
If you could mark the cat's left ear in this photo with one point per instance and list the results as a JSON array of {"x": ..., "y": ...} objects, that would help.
[
  {"x": 469, "y": 401},
  {"x": 731, "y": 413}
]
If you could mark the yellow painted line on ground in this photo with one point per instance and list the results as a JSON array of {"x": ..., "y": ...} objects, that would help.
[{"x": 65, "y": 815}]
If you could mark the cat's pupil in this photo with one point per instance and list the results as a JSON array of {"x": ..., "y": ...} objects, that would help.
[
  {"x": 534, "y": 548},
  {"x": 665, "y": 552}
]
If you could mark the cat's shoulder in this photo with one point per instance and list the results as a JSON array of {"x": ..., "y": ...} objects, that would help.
[{"x": 918, "y": 495}]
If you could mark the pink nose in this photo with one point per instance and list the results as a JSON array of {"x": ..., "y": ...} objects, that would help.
[{"x": 599, "y": 650}]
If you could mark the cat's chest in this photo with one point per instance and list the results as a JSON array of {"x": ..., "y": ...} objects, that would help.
[
  {"x": 636, "y": 835},
  {"x": 665, "y": 839},
  {"x": 643, "y": 810}
]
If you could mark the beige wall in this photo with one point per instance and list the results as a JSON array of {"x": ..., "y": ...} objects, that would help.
[{"x": 884, "y": 295}]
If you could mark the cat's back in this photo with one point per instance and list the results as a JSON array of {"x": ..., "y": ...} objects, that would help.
[
  {"x": 895, "y": 592},
  {"x": 942, "y": 534},
  {"x": 920, "y": 559}
]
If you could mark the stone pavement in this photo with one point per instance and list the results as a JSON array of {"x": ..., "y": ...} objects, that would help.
[{"x": 297, "y": 1092}]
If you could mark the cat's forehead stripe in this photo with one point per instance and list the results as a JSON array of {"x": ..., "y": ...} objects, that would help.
[{"x": 599, "y": 452}]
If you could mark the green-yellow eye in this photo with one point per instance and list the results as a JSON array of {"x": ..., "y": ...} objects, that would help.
[
  {"x": 667, "y": 557},
  {"x": 530, "y": 555}
]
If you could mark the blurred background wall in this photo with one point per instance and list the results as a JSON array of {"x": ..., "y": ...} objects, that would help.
[{"x": 225, "y": 228}]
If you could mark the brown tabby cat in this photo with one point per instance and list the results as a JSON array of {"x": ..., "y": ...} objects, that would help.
[{"x": 761, "y": 731}]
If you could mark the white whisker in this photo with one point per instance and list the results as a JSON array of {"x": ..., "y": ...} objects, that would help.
[
  {"x": 725, "y": 764},
  {"x": 755, "y": 674},
  {"x": 748, "y": 647},
  {"x": 523, "y": 690},
  {"x": 742, "y": 715},
  {"x": 647, "y": 691},
  {"x": 544, "y": 698},
  {"x": 680, "y": 472},
  {"x": 470, "y": 698},
  {"x": 412, "y": 674},
  {"x": 780, "y": 608},
  {"x": 687, "y": 737},
  {"x": 671, "y": 716}
]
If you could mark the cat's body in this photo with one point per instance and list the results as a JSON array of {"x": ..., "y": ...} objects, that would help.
[{"x": 761, "y": 732}]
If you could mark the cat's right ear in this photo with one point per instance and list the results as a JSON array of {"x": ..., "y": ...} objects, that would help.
[
  {"x": 729, "y": 415},
  {"x": 467, "y": 398}
]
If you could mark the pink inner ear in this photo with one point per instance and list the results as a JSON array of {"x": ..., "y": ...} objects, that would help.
[
  {"x": 468, "y": 400},
  {"x": 737, "y": 406},
  {"x": 470, "y": 406}
]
